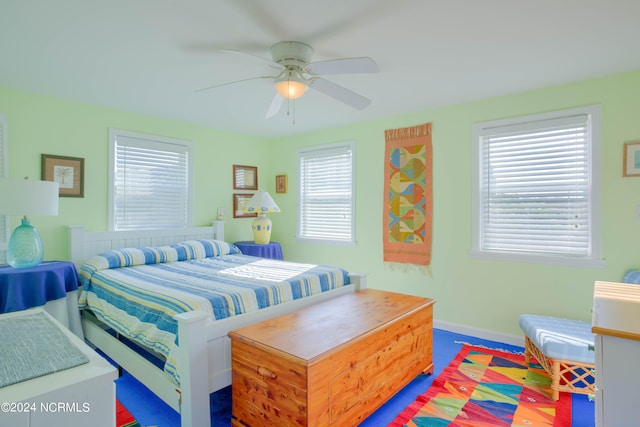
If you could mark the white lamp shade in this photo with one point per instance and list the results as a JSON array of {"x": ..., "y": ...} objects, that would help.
[
  {"x": 28, "y": 197},
  {"x": 291, "y": 89},
  {"x": 260, "y": 203}
]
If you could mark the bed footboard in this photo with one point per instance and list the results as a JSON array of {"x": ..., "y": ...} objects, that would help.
[
  {"x": 145, "y": 371},
  {"x": 191, "y": 399},
  {"x": 359, "y": 280},
  {"x": 219, "y": 344},
  {"x": 193, "y": 362}
]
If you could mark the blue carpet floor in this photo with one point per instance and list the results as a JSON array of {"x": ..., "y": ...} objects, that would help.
[{"x": 151, "y": 411}]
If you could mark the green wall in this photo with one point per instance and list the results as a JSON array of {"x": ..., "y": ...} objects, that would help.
[
  {"x": 38, "y": 124},
  {"x": 477, "y": 293},
  {"x": 480, "y": 295}
]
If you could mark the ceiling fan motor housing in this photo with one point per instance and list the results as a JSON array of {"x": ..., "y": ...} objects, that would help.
[{"x": 291, "y": 53}]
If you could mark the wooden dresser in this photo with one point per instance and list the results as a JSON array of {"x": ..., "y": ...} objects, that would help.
[{"x": 333, "y": 363}]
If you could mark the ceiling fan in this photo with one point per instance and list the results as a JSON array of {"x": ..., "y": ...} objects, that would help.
[{"x": 294, "y": 74}]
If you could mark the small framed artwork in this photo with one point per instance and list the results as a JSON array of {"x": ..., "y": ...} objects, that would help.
[
  {"x": 68, "y": 172},
  {"x": 631, "y": 159},
  {"x": 245, "y": 177},
  {"x": 239, "y": 203},
  {"x": 281, "y": 184}
]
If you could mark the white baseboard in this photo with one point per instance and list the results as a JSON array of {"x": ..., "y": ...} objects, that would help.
[{"x": 480, "y": 333}]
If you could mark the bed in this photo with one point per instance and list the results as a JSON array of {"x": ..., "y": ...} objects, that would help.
[{"x": 118, "y": 269}]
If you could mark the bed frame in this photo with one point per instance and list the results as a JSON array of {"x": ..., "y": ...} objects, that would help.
[{"x": 204, "y": 353}]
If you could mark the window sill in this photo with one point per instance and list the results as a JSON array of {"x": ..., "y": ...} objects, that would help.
[
  {"x": 539, "y": 259},
  {"x": 326, "y": 242}
]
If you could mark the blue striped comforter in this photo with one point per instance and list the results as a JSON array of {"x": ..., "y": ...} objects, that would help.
[{"x": 138, "y": 291}]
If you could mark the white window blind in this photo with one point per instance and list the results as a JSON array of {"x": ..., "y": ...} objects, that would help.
[
  {"x": 538, "y": 187},
  {"x": 151, "y": 181},
  {"x": 326, "y": 193},
  {"x": 5, "y": 231}
]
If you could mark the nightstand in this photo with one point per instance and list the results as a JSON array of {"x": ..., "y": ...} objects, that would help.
[
  {"x": 79, "y": 396},
  {"x": 270, "y": 250},
  {"x": 52, "y": 285}
]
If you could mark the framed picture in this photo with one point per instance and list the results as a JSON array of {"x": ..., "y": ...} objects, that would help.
[
  {"x": 245, "y": 177},
  {"x": 239, "y": 203},
  {"x": 281, "y": 184},
  {"x": 631, "y": 159},
  {"x": 68, "y": 172}
]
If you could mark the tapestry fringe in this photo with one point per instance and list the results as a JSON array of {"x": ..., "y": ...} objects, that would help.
[
  {"x": 408, "y": 132},
  {"x": 408, "y": 268}
]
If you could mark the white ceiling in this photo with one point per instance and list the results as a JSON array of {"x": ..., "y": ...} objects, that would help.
[{"x": 150, "y": 56}]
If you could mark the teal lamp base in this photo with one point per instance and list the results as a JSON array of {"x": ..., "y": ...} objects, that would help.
[
  {"x": 25, "y": 248},
  {"x": 261, "y": 229}
]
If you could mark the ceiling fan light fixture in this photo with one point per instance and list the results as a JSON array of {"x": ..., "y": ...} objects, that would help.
[
  {"x": 291, "y": 85},
  {"x": 291, "y": 89}
]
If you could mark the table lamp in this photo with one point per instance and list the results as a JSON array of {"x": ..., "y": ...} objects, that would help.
[
  {"x": 261, "y": 203},
  {"x": 27, "y": 197}
]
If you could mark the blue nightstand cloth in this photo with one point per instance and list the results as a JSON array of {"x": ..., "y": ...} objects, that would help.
[
  {"x": 268, "y": 250},
  {"x": 23, "y": 288}
]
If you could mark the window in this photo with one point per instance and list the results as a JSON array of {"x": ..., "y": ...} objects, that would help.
[
  {"x": 5, "y": 231},
  {"x": 536, "y": 194},
  {"x": 326, "y": 193},
  {"x": 150, "y": 181}
]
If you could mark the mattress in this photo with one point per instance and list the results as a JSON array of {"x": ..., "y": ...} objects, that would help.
[{"x": 138, "y": 291}]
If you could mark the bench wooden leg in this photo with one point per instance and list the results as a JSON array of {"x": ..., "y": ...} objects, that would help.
[{"x": 555, "y": 380}]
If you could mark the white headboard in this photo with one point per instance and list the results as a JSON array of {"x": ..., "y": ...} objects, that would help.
[{"x": 83, "y": 245}]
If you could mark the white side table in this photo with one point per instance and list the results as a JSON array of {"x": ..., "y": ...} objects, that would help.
[
  {"x": 76, "y": 397},
  {"x": 617, "y": 342}
]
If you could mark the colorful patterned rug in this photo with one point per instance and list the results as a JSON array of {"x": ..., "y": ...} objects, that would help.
[
  {"x": 483, "y": 388},
  {"x": 123, "y": 417}
]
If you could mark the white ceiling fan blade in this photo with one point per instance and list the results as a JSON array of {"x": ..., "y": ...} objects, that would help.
[
  {"x": 254, "y": 58},
  {"x": 276, "y": 103},
  {"x": 234, "y": 82},
  {"x": 340, "y": 93},
  {"x": 344, "y": 66},
  {"x": 209, "y": 47}
]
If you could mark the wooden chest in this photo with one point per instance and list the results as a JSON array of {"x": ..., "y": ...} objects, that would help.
[{"x": 333, "y": 363}]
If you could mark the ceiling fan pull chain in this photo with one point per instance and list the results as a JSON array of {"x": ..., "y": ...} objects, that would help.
[
  {"x": 291, "y": 110},
  {"x": 293, "y": 120}
]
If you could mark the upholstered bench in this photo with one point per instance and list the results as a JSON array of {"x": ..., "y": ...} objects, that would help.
[{"x": 564, "y": 348}]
